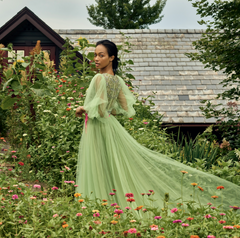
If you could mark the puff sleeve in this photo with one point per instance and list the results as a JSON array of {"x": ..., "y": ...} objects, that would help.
[
  {"x": 125, "y": 101},
  {"x": 96, "y": 98}
]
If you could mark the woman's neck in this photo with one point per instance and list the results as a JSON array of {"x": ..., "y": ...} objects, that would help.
[{"x": 106, "y": 72}]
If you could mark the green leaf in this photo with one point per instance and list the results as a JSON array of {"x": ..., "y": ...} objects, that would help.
[
  {"x": 37, "y": 85},
  {"x": 8, "y": 102},
  {"x": 41, "y": 92},
  {"x": 6, "y": 84},
  {"x": 16, "y": 85},
  {"x": 90, "y": 55},
  {"x": 25, "y": 65}
]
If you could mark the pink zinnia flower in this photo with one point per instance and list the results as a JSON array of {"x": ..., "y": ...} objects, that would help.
[
  {"x": 113, "y": 204},
  {"x": 67, "y": 168},
  {"x": 185, "y": 224},
  {"x": 228, "y": 227},
  {"x": 177, "y": 221},
  {"x": 79, "y": 214},
  {"x": 75, "y": 185},
  {"x": 174, "y": 210},
  {"x": 222, "y": 221},
  {"x": 154, "y": 228},
  {"x": 211, "y": 236},
  {"x": 37, "y": 186},
  {"x": 61, "y": 171},
  {"x": 111, "y": 194},
  {"x": 129, "y": 195},
  {"x": 209, "y": 204},
  {"x": 235, "y": 207},
  {"x": 13, "y": 151},
  {"x": 222, "y": 214},
  {"x": 82, "y": 88},
  {"x": 60, "y": 86},
  {"x": 15, "y": 196},
  {"x": 84, "y": 207},
  {"x": 207, "y": 216},
  {"x": 69, "y": 104},
  {"x": 213, "y": 208},
  {"x": 74, "y": 91},
  {"x": 54, "y": 188},
  {"x": 118, "y": 211},
  {"x": 96, "y": 214},
  {"x": 132, "y": 230},
  {"x": 127, "y": 208},
  {"x": 157, "y": 217},
  {"x": 55, "y": 215},
  {"x": 145, "y": 122}
]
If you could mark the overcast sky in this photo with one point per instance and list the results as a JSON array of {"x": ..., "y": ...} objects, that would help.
[{"x": 72, "y": 14}]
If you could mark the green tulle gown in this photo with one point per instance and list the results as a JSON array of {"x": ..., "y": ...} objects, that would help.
[{"x": 109, "y": 158}]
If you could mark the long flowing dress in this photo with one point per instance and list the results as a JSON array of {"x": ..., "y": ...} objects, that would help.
[{"x": 109, "y": 158}]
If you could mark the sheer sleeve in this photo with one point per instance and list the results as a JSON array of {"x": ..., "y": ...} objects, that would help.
[
  {"x": 96, "y": 98},
  {"x": 125, "y": 101}
]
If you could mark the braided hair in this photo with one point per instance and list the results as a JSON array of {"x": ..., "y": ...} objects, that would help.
[{"x": 112, "y": 50}]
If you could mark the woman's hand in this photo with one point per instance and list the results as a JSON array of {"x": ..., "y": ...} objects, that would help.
[{"x": 79, "y": 111}]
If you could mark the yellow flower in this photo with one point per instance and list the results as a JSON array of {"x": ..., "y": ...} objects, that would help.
[
  {"x": 95, "y": 211},
  {"x": 184, "y": 172},
  {"x": 77, "y": 195},
  {"x": 114, "y": 222},
  {"x": 65, "y": 225},
  {"x": 194, "y": 184},
  {"x": 133, "y": 221},
  {"x": 104, "y": 204}
]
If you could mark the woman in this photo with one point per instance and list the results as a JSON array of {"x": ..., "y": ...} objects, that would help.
[{"x": 109, "y": 158}]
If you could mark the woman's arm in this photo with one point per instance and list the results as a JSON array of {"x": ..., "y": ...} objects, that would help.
[{"x": 79, "y": 111}]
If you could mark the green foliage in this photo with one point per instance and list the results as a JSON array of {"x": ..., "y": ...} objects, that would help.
[
  {"x": 125, "y": 14},
  {"x": 190, "y": 150},
  {"x": 218, "y": 49},
  {"x": 3, "y": 126}
]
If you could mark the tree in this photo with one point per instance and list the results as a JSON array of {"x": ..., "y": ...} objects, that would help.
[
  {"x": 125, "y": 14},
  {"x": 219, "y": 50}
]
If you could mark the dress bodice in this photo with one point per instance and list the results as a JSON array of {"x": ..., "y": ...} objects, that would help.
[{"x": 113, "y": 87}]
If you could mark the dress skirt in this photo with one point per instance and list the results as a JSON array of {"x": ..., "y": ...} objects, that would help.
[{"x": 110, "y": 158}]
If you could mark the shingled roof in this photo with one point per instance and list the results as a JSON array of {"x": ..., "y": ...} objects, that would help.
[{"x": 160, "y": 66}]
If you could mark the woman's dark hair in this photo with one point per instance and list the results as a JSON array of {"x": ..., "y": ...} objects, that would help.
[{"x": 112, "y": 50}]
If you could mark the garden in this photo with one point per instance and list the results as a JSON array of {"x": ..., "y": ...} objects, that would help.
[{"x": 39, "y": 142}]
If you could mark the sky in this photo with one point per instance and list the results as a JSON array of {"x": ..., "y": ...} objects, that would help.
[{"x": 72, "y": 14}]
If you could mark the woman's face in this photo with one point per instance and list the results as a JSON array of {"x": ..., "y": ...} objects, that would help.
[{"x": 102, "y": 59}]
